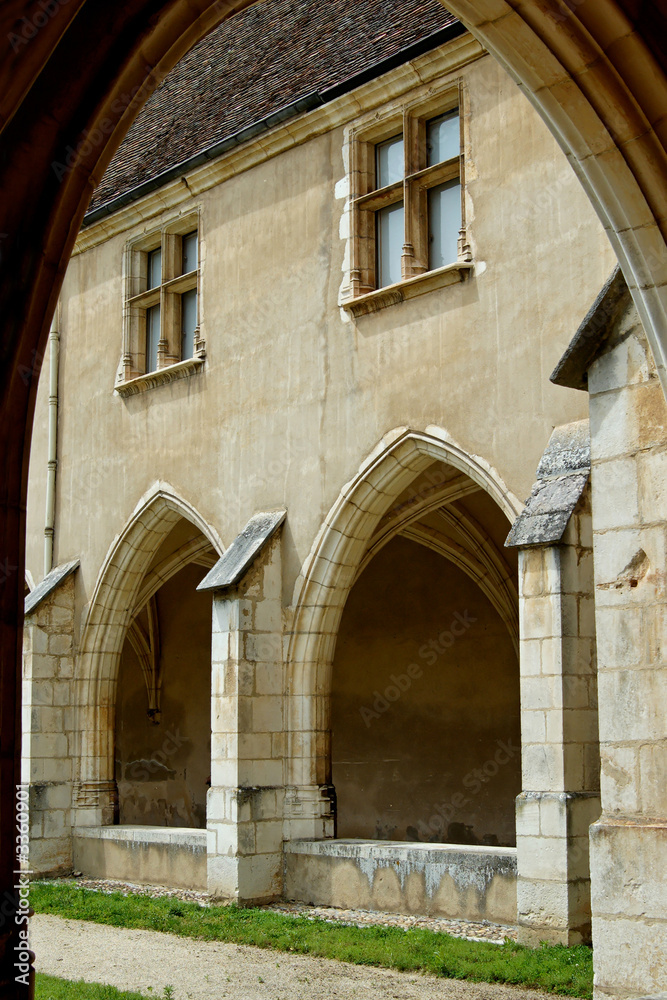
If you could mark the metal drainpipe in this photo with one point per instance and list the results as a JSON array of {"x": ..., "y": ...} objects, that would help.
[{"x": 50, "y": 517}]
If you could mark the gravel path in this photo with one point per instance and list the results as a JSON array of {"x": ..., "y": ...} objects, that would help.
[{"x": 204, "y": 970}]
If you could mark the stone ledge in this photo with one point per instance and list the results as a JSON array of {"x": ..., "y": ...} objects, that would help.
[
  {"x": 181, "y": 835},
  {"x": 171, "y": 856},
  {"x": 162, "y": 377},
  {"x": 401, "y": 849},
  {"x": 372, "y": 302},
  {"x": 444, "y": 880}
]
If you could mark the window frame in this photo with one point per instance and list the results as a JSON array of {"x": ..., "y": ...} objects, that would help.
[
  {"x": 410, "y": 119},
  {"x": 168, "y": 294}
]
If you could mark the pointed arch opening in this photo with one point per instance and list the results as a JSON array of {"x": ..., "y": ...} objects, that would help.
[
  {"x": 404, "y": 678},
  {"x": 143, "y": 674}
]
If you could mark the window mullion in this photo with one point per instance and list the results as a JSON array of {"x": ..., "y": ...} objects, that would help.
[
  {"x": 416, "y": 220},
  {"x": 410, "y": 140},
  {"x": 464, "y": 247},
  {"x": 169, "y": 350},
  {"x": 170, "y": 340}
]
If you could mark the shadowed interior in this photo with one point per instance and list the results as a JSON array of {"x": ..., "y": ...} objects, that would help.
[
  {"x": 162, "y": 761},
  {"x": 425, "y": 704}
]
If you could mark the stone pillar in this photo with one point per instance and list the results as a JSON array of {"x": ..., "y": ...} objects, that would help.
[
  {"x": 246, "y": 798},
  {"x": 48, "y": 728},
  {"x": 629, "y": 842},
  {"x": 559, "y": 727}
]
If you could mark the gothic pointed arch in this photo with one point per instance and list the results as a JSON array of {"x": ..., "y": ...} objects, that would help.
[
  {"x": 332, "y": 567},
  {"x": 108, "y": 619}
]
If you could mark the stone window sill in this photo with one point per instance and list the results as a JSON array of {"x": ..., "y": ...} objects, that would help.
[
  {"x": 371, "y": 302},
  {"x": 162, "y": 377}
]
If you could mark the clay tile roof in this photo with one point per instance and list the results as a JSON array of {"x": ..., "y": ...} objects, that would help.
[{"x": 256, "y": 63}]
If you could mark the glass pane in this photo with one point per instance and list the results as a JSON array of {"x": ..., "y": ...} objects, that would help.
[
  {"x": 152, "y": 337},
  {"x": 390, "y": 236},
  {"x": 389, "y": 165},
  {"x": 443, "y": 138},
  {"x": 444, "y": 222},
  {"x": 188, "y": 323},
  {"x": 154, "y": 268},
  {"x": 189, "y": 252}
]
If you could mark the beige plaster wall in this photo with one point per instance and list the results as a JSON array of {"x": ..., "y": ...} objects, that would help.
[
  {"x": 162, "y": 770},
  {"x": 417, "y": 724},
  {"x": 294, "y": 394}
]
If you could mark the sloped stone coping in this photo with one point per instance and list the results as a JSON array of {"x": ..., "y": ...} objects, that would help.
[
  {"x": 48, "y": 585},
  {"x": 562, "y": 476},
  {"x": 243, "y": 551}
]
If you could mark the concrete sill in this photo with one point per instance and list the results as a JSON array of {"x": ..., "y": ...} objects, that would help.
[
  {"x": 372, "y": 302},
  {"x": 162, "y": 377}
]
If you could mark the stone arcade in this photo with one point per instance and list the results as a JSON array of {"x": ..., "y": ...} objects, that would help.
[{"x": 285, "y": 512}]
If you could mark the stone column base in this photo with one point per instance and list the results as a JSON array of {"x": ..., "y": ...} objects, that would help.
[
  {"x": 244, "y": 846},
  {"x": 553, "y": 883},
  {"x": 310, "y": 812},
  {"x": 94, "y": 803}
]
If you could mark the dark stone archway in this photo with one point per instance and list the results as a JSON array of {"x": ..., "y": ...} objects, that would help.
[{"x": 74, "y": 74}]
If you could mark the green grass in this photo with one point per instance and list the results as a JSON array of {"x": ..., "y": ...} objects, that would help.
[
  {"x": 50, "y": 988},
  {"x": 567, "y": 971}
]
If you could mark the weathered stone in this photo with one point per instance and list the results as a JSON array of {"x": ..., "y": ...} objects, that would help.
[{"x": 243, "y": 551}]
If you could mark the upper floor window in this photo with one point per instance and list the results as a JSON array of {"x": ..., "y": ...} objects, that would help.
[
  {"x": 407, "y": 200},
  {"x": 162, "y": 301}
]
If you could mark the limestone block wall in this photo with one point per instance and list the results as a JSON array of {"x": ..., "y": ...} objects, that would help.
[
  {"x": 245, "y": 801},
  {"x": 628, "y": 416},
  {"x": 49, "y": 728},
  {"x": 560, "y": 758}
]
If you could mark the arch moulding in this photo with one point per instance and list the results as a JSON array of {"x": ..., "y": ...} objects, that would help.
[
  {"x": 105, "y": 627},
  {"x": 330, "y": 570}
]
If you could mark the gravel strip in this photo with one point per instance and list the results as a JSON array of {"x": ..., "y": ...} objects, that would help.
[
  {"x": 147, "y": 962},
  {"x": 482, "y": 931}
]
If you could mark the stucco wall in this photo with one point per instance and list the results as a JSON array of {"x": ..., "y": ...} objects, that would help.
[
  {"x": 417, "y": 725},
  {"x": 294, "y": 394}
]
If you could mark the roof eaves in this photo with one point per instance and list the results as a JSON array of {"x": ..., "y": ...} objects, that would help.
[{"x": 301, "y": 106}]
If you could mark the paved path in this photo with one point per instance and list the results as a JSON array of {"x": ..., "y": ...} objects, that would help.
[{"x": 205, "y": 970}]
